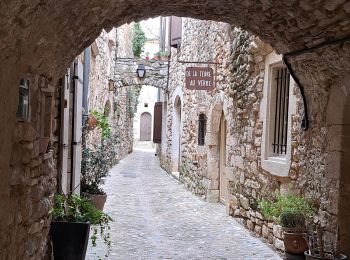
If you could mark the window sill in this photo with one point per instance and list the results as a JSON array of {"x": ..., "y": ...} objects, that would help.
[
  {"x": 278, "y": 166},
  {"x": 277, "y": 159}
]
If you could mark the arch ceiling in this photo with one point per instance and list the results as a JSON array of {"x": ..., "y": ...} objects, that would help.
[{"x": 43, "y": 36}]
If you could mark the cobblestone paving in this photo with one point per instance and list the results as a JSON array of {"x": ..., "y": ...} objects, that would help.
[{"x": 156, "y": 218}]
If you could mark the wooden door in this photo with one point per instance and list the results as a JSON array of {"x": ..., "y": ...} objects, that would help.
[
  {"x": 146, "y": 127},
  {"x": 222, "y": 161}
]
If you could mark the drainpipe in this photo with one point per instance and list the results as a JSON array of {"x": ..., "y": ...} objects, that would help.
[{"x": 73, "y": 71}]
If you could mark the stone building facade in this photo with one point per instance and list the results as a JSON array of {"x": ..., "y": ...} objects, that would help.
[
  {"x": 40, "y": 39},
  {"x": 105, "y": 95},
  {"x": 33, "y": 165},
  {"x": 236, "y": 165}
]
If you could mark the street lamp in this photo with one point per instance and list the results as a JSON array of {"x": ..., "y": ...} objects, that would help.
[{"x": 141, "y": 71}]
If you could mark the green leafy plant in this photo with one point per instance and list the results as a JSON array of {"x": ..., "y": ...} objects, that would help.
[
  {"x": 102, "y": 123},
  {"x": 94, "y": 170},
  {"x": 96, "y": 161},
  {"x": 139, "y": 40},
  {"x": 290, "y": 211},
  {"x": 132, "y": 100},
  {"x": 73, "y": 208},
  {"x": 161, "y": 54}
]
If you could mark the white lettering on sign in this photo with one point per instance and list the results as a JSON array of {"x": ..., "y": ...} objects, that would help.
[
  {"x": 199, "y": 78},
  {"x": 204, "y": 83}
]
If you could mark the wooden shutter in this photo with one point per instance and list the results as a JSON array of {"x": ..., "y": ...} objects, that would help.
[
  {"x": 157, "y": 123},
  {"x": 175, "y": 31},
  {"x": 78, "y": 122}
]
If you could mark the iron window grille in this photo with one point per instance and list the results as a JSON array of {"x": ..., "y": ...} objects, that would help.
[
  {"x": 202, "y": 125},
  {"x": 23, "y": 104},
  {"x": 280, "y": 130}
]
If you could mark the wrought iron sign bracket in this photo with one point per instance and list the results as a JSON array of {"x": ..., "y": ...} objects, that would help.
[{"x": 305, "y": 119}]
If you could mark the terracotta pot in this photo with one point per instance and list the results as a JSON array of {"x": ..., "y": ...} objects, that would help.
[
  {"x": 44, "y": 142},
  {"x": 314, "y": 257},
  {"x": 295, "y": 243},
  {"x": 92, "y": 122},
  {"x": 147, "y": 58},
  {"x": 97, "y": 200}
]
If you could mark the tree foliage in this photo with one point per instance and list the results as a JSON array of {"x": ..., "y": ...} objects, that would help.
[{"x": 139, "y": 39}]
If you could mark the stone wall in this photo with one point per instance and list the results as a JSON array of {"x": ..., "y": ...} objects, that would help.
[
  {"x": 239, "y": 92},
  {"x": 33, "y": 174},
  {"x": 43, "y": 37},
  {"x": 156, "y": 72},
  {"x": 107, "y": 97}
]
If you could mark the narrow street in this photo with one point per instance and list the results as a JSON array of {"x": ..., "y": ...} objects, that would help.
[{"x": 156, "y": 218}]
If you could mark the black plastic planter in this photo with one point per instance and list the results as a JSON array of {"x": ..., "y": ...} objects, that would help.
[
  {"x": 69, "y": 240},
  {"x": 312, "y": 257}
]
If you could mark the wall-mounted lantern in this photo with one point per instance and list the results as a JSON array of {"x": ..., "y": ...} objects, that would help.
[
  {"x": 23, "y": 104},
  {"x": 111, "y": 85},
  {"x": 141, "y": 71}
]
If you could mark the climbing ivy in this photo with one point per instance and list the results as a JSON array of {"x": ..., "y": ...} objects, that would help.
[
  {"x": 133, "y": 96},
  {"x": 102, "y": 123},
  {"x": 139, "y": 40}
]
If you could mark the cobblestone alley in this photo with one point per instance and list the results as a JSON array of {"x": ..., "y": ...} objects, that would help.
[{"x": 156, "y": 218}]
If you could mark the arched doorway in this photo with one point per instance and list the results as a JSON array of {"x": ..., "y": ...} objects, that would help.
[
  {"x": 223, "y": 188},
  {"x": 339, "y": 129},
  {"x": 217, "y": 156},
  {"x": 145, "y": 127},
  {"x": 176, "y": 145}
]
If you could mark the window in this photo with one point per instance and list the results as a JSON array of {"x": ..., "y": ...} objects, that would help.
[
  {"x": 175, "y": 31},
  {"x": 280, "y": 105},
  {"x": 202, "y": 125},
  {"x": 276, "y": 109},
  {"x": 23, "y": 104}
]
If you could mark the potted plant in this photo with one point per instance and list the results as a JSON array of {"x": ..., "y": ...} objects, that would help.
[
  {"x": 95, "y": 168},
  {"x": 147, "y": 55},
  {"x": 319, "y": 250},
  {"x": 163, "y": 55},
  {"x": 291, "y": 212},
  {"x": 70, "y": 227},
  {"x": 92, "y": 122},
  {"x": 156, "y": 56}
]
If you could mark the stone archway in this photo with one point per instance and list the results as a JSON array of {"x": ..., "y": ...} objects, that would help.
[
  {"x": 338, "y": 120},
  {"x": 176, "y": 132},
  {"x": 156, "y": 73},
  {"x": 42, "y": 37},
  {"x": 213, "y": 194}
]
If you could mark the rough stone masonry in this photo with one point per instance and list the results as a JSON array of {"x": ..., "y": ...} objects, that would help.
[
  {"x": 241, "y": 59},
  {"x": 42, "y": 37}
]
